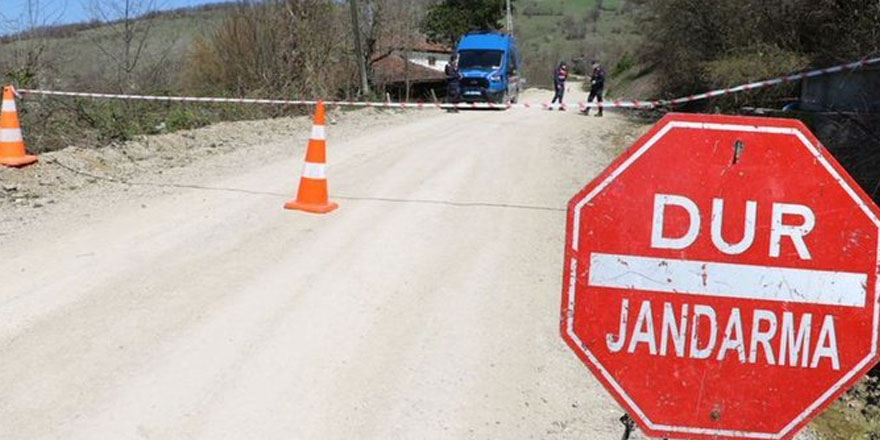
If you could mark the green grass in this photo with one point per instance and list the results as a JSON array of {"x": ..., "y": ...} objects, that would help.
[
  {"x": 85, "y": 60},
  {"x": 573, "y": 6},
  {"x": 856, "y": 416},
  {"x": 840, "y": 422},
  {"x": 550, "y": 31}
]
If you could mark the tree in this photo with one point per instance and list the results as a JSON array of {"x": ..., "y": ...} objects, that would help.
[
  {"x": 388, "y": 27},
  {"x": 694, "y": 47},
  {"x": 24, "y": 62},
  {"x": 130, "y": 34},
  {"x": 401, "y": 33},
  {"x": 274, "y": 48},
  {"x": 358, "y": 48},
  {"x": 450, "y": 19}
]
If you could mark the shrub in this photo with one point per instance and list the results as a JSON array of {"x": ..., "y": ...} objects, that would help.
[
  {"x": 695, "y": 47},
  {"x": 572, "y": 29},
  {"x": 626, "y": 62},
  {"x": 534, "y": 8},
  {"x": 449, "y": 19},
  {"x": 185, "y": 118},
  {"x": 272, "y": 48}
]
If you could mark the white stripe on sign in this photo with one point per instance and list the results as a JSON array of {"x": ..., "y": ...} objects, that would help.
[
  {"x": 318, "y": 132},
  {"x": 8, "y": 106},
  {"x": 314, "y": 171},
  {"x": 766, "y": 283},
  {"x": 10, "y": 135}
]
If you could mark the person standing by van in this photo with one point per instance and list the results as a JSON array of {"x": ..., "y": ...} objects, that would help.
[
  {"x": 597, "y": 86},
  {"x": 559, "y": 78},
  {"x": 453, "y": 81}
]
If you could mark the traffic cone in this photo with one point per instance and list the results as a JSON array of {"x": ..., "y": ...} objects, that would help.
[
  {"x": 12, "y": 151},
  {"x": 312, "y": 194}
]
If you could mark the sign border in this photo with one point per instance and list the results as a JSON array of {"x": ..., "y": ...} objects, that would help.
[{"x": 681, "y": 121}]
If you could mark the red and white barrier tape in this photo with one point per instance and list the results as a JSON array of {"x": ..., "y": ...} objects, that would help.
[
  {"x": 776, "y": 81},
  {"x": 618, "y": 103},
  {"x": 399, "y": 105}
]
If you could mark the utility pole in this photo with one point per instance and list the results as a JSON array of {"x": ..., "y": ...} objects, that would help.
[
  {"x": 359, "y": 51},
  {"x": 509, "y": 19}
]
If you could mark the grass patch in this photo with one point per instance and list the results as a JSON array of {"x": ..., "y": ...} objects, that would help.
[
  {"x": 855, "y": 416},
  {"x": 577, "y": 32}
]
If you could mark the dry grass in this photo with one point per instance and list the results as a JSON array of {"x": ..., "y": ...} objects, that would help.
[{"x": 274, "y": 48}]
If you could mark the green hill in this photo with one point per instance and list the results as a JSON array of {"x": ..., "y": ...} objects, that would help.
[
  {"x": 90, "y": 56},
  {"x": 579, "y": 31}
]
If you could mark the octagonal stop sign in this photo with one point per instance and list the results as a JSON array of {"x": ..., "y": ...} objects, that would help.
[{"x": 721, "y": 278}]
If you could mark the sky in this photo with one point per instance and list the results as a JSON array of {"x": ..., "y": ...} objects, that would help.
[{"x": 14, "y": 13}]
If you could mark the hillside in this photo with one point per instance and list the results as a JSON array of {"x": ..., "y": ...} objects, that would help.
[
  {"x": 98, "y": 57},
  {"x": 88, "y": 57},
  {"x": 579, "y": 31},
  {"x": 82, "y": 56}
]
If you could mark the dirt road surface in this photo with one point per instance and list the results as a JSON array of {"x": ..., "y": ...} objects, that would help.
[{"x": 188, "y": 304}]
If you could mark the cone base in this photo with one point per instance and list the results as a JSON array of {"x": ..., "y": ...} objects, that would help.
[
  {"x": 308, "y": 207},
  {"x": 17, "y": 161}
]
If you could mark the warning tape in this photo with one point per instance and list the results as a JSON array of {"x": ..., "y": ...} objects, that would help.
[
  {"x": 776, "y": 81},
  {"x": 392, "y": 105},
  {"x": 618, "y": 103}
]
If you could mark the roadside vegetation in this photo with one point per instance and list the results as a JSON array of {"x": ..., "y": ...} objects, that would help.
[
  {"x": 258, "y": 49},
  {"x": 294, "y": 48},
  {"x": 127, "y": 48},
  {"x": 273, "y": 48},
  {"x": 694, "y": 48},
  {"x": 856, "y": 416}
]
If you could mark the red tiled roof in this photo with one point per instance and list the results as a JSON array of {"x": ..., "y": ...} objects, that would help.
[
  {"x": 421, "y": 45},
  {"x": 425, "y": 46},
  {"x": 392, "y": 68}
]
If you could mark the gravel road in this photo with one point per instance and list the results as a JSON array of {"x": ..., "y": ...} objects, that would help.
[{"x": 187, "y": 304}]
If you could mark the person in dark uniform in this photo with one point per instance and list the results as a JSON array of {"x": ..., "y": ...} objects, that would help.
[
  {"x": 559, "y": 77},
  {"x": 453, "y": 81},
  {"x": 597, "y": 86}
]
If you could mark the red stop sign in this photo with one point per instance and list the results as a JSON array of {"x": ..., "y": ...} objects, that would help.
[{"x": 720, "y": 278}]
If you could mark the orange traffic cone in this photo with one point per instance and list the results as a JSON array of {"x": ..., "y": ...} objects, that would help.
[
  {"x": 312, "y": 195},
  {"x": 12, "y": 151}
]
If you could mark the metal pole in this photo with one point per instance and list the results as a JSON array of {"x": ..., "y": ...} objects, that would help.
[
  {"x": 509, "y": 19},
  {"x": 358, "y": 49},
  {"x": 406, "y": 72},
  {"x": 628, "y": 425}
]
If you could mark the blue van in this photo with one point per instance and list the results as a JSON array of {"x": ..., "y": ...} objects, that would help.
[{"x": 489, "y": 63}]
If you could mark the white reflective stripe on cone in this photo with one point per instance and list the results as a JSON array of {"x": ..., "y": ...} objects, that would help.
[
  {"x": 314, "y": 171},
  {"x": 8, "y": 106},
  {"x": 10, "y": 135},
  {"x": 318, "y": 133}
]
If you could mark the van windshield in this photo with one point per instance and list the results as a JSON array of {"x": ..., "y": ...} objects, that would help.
[{"x": 480, "y": 59}]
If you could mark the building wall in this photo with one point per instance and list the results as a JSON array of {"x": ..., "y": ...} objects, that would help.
[{"x": 431, "y": 60}]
